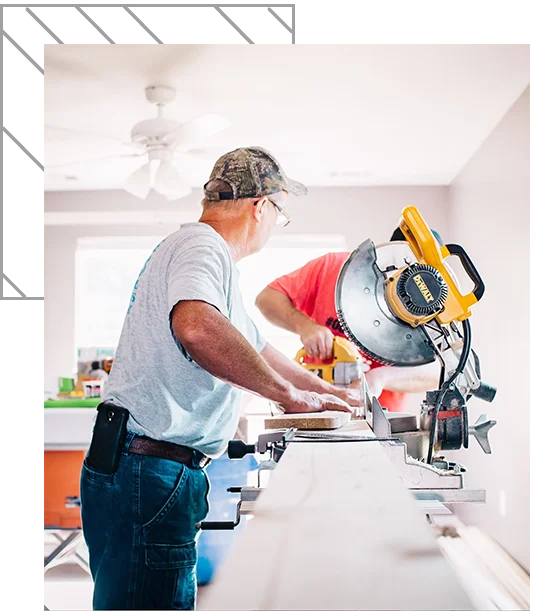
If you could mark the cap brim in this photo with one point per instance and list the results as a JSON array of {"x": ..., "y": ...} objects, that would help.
[{"x": 296, "y": 188}]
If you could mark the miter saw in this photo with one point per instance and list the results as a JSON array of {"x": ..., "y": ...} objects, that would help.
[{"x": 401, "y": 305}]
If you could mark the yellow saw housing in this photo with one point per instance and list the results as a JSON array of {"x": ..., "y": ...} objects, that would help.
[{"x": 426, "y": 290}]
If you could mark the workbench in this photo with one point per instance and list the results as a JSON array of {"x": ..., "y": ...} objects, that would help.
[{"x": 336, "y": 530}]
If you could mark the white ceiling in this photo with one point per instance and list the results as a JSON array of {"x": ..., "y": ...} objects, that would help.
[{"x": 332, "y": 114}]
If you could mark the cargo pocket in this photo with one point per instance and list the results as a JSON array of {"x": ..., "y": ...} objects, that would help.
[{"x": 169, "y": 578}]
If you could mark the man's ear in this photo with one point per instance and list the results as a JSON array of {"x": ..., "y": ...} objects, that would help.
[{"x": 259, "y": 207}]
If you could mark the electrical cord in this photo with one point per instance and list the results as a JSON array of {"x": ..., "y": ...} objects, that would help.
[{"x": 446, "y": 386}]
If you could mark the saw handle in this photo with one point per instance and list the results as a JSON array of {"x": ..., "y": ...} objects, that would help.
[
  {"x": 343, "y": 350},
  {"x": 301, "y": 356},
  {"x": 468, "y": 266}
]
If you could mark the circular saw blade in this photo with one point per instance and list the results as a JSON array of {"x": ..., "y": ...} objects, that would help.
[{"x": 365, "y": 315}]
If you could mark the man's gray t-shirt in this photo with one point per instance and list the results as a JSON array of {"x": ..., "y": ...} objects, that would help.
[{"x": 168, "y": 395}]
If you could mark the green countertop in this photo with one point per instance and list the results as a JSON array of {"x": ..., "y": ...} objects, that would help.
[{"x": 72, "y": 403}]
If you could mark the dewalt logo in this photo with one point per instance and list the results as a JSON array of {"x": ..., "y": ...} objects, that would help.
[{"x": 422, "y": 287}]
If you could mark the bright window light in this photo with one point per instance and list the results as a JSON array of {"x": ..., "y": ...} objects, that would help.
[{"x": 105, "y": 271}]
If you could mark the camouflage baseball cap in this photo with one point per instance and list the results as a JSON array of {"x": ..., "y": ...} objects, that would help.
[{"x": 250, "y": 172}]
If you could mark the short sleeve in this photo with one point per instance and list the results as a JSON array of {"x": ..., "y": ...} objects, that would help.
[{"x": 199, "y": 271}]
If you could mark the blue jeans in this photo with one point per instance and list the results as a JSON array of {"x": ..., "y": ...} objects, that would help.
[{"x": 140, "y": 527}]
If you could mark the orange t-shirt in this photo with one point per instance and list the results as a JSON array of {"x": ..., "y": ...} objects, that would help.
[{"x": 311, "y": 289}]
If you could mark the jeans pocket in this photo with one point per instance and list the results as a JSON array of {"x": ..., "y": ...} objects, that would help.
[
  {"x": 169, "y": 577},
  {"x": 161, "y": 482},
  {"x": 104, "y": 479}
]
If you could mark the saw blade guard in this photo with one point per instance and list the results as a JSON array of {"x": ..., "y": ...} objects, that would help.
[{"x": 366, "y": 317}]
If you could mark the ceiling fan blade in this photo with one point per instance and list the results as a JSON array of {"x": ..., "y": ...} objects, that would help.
[
  {"x": 60, "y": 133},
  {"x": 170, "y": 182},
  {"x": 139, "y": 182},
  {"x": 191, "y": 133},
  {"x": 92, "y": 160}
]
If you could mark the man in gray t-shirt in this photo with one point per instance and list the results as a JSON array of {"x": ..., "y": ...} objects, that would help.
[
  {"x": 169, "y": 396},
  {"x": 186, "y": 350}
]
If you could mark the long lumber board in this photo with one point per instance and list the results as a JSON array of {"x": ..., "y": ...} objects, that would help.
[{"x": 336, "y": 530}]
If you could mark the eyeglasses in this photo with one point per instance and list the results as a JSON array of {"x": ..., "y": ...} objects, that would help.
[{"x": 283, "y": 219}]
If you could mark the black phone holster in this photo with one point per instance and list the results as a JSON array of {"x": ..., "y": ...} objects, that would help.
[{"x": 108, "y": 437}]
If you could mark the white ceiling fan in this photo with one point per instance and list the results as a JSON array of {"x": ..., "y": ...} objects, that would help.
[{"x": 163, "y": 142}]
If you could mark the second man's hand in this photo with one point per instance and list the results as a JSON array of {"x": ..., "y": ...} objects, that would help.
[{"x": 317, "y": 340}]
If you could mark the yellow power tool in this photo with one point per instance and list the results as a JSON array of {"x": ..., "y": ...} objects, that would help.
[{"x": 345, "y": 367}]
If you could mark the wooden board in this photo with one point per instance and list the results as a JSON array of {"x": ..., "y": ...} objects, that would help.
[
  {"x": 336, "y": 530},
  {"x": 326, "y": 420}
]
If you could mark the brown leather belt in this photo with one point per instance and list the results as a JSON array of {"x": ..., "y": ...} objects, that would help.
[{"x": 164, "y": 449}]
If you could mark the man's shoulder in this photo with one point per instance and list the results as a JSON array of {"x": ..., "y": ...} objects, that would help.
[
  {"x": 195, "y": 229},
  {"x": 197, "y": 235},
  {"x": 198, "y": 243}
]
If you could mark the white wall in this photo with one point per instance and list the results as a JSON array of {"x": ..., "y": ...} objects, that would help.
[
  {"x": 489, "y": 214},
  {"x": 356, "y": 212}
]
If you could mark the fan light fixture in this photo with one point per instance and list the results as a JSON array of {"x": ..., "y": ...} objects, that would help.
[
  {"x": 161, "y": 175},
  {"x": 162, "y": 140}
]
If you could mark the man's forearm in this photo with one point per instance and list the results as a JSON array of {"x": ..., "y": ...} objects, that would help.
[
  {"x": 409, "y": 380},
  {"x": 278, "y": 309},
  {"x": 218, "y": 347}
]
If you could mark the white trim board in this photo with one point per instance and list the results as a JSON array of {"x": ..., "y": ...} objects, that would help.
[{"x": 336, "y": 530}]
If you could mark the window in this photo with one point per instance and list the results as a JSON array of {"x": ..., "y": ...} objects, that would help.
[{"x": 106, "y": 270}]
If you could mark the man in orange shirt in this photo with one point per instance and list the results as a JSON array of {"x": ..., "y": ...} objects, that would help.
[{"x": 303, "y": 302}]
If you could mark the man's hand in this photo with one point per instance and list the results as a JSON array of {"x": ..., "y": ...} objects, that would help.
[
  {"x": 317, "y": 340},
  {"x": 310, "y": 402},
  {"x": 352, "y": 396}
]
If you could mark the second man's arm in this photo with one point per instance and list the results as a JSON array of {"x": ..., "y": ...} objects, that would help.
[{"x": 278, "y": 309}]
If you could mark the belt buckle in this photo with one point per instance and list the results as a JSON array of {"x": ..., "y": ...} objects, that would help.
[{"x": 204, "y": 461}]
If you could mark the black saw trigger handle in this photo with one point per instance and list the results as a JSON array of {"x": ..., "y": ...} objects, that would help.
[{"x": 468, "y": 266}]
